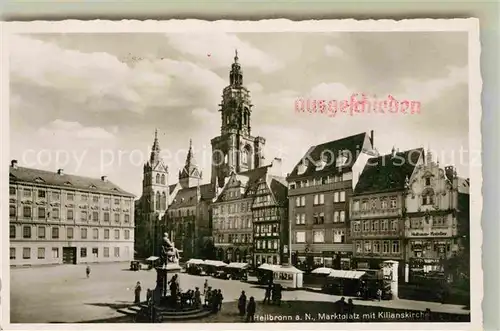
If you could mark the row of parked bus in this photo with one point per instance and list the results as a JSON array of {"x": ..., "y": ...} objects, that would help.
[{"x": 218, "y": 269}]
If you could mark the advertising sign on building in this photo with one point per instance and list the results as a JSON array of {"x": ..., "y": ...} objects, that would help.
[{"x": 429, "y": 233}]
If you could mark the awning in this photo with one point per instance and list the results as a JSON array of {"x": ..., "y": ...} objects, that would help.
[
  {"x": 195, "y": 261},
  {"x": 266, "y": 266},
  {"x": 152, "y": 258},
  {"x": 322, "y": 271},
  {"x": 214, "y": 263},
  {"x": 347, "y": 274},
  {"x": 237, "y": 265},
  {"x": 280, "y": 268}
]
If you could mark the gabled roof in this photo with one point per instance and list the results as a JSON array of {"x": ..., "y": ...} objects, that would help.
[
  {"x": 388, "y": 173},
  {"x": 43, "y": 177},
  {"x": 279, "y": 190},
  {"x": 171, "y": 188},
  {"x": 353, "y": 145},
  {"x": 187, "y": 197}
]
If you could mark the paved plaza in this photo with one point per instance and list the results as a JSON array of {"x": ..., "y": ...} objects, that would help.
[{"x": 62, "y": 293}]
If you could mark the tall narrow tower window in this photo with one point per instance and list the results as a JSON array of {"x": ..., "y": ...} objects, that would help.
[
  {"x": 158, "y": 202},
  {"x": 157, "y": 178},
  {"x": 163, "y": 179}
]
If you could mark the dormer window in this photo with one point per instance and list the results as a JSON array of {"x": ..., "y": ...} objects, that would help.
[
  {"x": 320, "y": 165},
  {"x": 427, "y": 197},
  {"x": 303, "y": 167},
  {"x": 342, "y": 158}
]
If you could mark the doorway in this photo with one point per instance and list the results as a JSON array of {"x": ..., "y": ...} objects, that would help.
[{"x": 69, "y": 255}]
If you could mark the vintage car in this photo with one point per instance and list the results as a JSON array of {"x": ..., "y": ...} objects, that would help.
[
  {"x": 135, "y": 265},
  {"x": 222, "y": 274}
]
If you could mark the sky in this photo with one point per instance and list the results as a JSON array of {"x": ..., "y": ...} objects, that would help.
[{"x": 90, "y": 103}]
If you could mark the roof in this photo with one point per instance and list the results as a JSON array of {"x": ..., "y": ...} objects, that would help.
[
  {"x": 248, "y": 179},
  {"x": 279, "y": 190},
  {"x": 388, "y": 173},
  {"x": 353, "y": 146},
  {"x": 187, "y": 197},
  {"x": 66, "y": 181},
  {"x": 171, "y": 188}
]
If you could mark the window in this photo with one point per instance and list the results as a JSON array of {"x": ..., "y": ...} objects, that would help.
[
  {"x": 375, "y": 226},
  {"x": 356, "y": 226},
  {"x": 12, "y": 211},
  {"x": 321, "y": 219},
  {"x": 394, "y": 225},
  {"x": 12, "y": 231},
  {"x": 27, "y": 193},
  {"x": 300, "y": 237},
  {"x": 69, "y": 214},
  {"x": 12, "y": 191},
  {"x": 117, "y": 202},
  {"x": 41, "y": 253},
  {"x": 95, "y": 252},
  {"x": 385, "y": 247},
  {"x": 117, "y": 251},
  {"x": 55, "y": 253},
  {"x": 106, "y": 200},
  {"x": 85, "y": 197},
  {"x": 26, "y": 253},
  {"x": 127, "y": 234},
  {"x": 55, "y": 196},
  {"x": 342, "y": 196},
  {"x": 117, "y": 218},
  {"x": 428, "y": 181},
  {"x": 428, "y": 197},
  {"x": 84, "y": 216},
  {"x": 364, "y": 205},
  {"x": 355, "y": 205},
  {"x": 385, "y": 225},
  {"x": 318, "y": 236},
  {"x": 41, "y": 213},
  {"x": 41, "y": 194},
  {"x": 359, "y": 248},
  {"x": 95, "y": 216},
  {"x": 55, "y": 233},
  {"x": 384, "y": 204},
  {"x": 55, "y": 213},
  {"x": 376, "y": 247},
  {"x": 117, "y": 234},
  {"x": 83, "y": 233},
  {"x": 41, "y": 232},
  {"x": 342, "y": 216},
  {"x": 336, "y": 197},
  {"x": 338, "y": 236},
  {"x": 316, "y": 199},
  {"x": 395, "y": 247},
  {"x": 393, "y": 202},
  {"x": 303, "y": 201},
  {"x": 106, "y": 216},
  {"x": 366, "y": 226},
  {"x": 69, "y": 233},
  {"x": 95, "y": 199},
  {"x": 70, "y": 196},
  {"x": 439, "y": 221},
  {"x": 12, "y": 253},
  {"x": 27, "y": 211},
  {"x": 106, "y": 252},
  {"x": 106, "y": 233},
  {"x": 83, "y": 252},
  {"x": 368, "y": 247},
  {"x": 374, "y": 204},
  {"x": 27, "y": 232},
  {"x": 336, "y": 217}
]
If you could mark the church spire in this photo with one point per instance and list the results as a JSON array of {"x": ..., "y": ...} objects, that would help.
[
  {"x": 155, "y": 150},
  {"x": 190, "y": 174},
  {"x": 236, "y": 74}
]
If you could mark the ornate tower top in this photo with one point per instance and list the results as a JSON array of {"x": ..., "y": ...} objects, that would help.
[
  {"x": 236, "y": 74},
  {"x": 155, "y": 150},
  {"x": 190, "y": 174}
]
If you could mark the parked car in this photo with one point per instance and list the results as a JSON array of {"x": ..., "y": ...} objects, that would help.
[
  {"x": 135, "y": 265},
  {"x": 221, "y": 274}
]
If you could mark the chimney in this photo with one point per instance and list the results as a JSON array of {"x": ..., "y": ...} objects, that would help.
[
  {"x": 60, "y": 171},
  {"x": 104, "y": 178},
  {"x": 13, "y": 164},
  {"x": 371, "y": 139}
]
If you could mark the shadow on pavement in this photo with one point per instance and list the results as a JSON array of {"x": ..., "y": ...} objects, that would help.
[{"x": 112, "y": 305}]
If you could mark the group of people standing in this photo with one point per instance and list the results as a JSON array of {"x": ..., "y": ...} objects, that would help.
[
  {"x": 273, "y": 294},
  {"x": 249, "y": 309}
]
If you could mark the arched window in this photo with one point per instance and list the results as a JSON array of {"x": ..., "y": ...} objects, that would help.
[
  {"x": 163, "y": 201},
  {"x": 158, "y": 205},
  {"x": 157, "y": 178},
  {"x": 246, "y": 156},
  {"x": 225, "y": 158},
  {"x": 163, "y": 179},
  {"x": 428, "y": 197}
]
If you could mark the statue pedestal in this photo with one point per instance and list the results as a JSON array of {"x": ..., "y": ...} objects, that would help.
[{"x": 164, "y": 274}]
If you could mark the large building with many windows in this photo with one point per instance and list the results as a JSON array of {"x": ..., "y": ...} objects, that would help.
[
  {"x": 60, "y": 218},
  {"x": 319, "y": 188},
  {"x": 378, "y": 209}
]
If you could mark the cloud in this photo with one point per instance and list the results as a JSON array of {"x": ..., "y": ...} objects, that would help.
[
  {"x": 333, "y": 51},
  {"x": 73, "y": 130},
  {"x": 216, "y": 50}
]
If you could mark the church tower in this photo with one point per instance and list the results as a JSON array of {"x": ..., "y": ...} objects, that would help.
[
  {"x": 155, "y": 182},
  {"x": 190, "y": 175},
  {"x": 235, "y": 150}
]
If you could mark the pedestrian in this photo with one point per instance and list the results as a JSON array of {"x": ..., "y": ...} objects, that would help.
[
  {"x": 242, "y": 303},
  {"x": 219, "y": 299},
  {"x": 340, "y": 305},
  {"x": 214, "y": 298},
  {"x": 87, "y": 271},
  {"x": 149, "y": 295},
  {"x": 379, "y": 294},
  {"x": 349, "y": 309},
  {"x": 278, "y": 294},
  {"x": 137, "y": 292},
  {"x": 427, "y": 315},
  {"x": 251, "y": 310},
  {"x": 205, "y": 287},
  {"x": 197, "y": 298},
  {"x": 267, "y": 296},
  {"x": 208, "y": 295}
]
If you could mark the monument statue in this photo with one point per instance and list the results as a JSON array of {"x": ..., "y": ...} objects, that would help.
[{"x": 168, "y": 253}]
